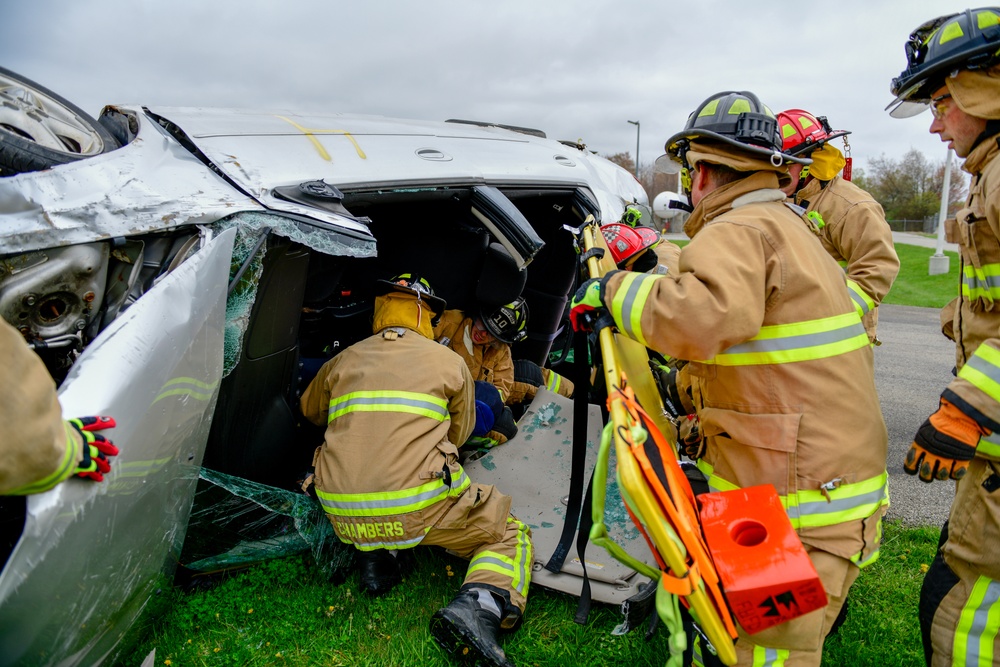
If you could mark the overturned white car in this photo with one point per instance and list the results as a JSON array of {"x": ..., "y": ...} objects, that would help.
[{"x": 187, "y": 270}]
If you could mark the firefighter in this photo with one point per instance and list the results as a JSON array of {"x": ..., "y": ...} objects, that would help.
[
  {"x": 953, "y": 67},
  {"x": 851, "y": 223},
  {"x": 396, "y": 407},
  {"x": 485, "y": 344},
  {"x": 784, "y": 382},
  {"x": 44, "y": 449}
]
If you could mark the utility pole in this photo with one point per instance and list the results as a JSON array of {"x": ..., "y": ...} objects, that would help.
[
  {"x": 636, "y": 123},
  {"x": 939, "y": 262}
]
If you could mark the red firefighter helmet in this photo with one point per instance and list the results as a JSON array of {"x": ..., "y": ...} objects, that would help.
[
  {"x": 802, "y": 132},
  {"x": 627, "y": 243}
]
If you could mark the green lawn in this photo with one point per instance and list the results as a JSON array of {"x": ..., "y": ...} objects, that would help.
[{"x": 285, "y": 612}]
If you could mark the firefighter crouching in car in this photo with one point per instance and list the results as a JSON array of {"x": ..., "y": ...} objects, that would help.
[
  {"x": 397, "y": 405},
  {"x": 43, "y": 449},
  {"x": 484, "y": 343},
  {"x": 953, "y": 67},
  {"x": 784, "y": 381},
  {"x": 851, "y": 223}
]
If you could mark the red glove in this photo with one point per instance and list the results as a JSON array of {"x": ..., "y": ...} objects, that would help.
[
  {"x": 97, "y": 448},
  {"x": 944, "y": 445}
]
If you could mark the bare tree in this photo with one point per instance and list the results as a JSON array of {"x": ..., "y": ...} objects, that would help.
[{"x": 910, "y": 188}]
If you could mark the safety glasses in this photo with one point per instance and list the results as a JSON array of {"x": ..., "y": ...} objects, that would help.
[{"x": 939, "y": 105}]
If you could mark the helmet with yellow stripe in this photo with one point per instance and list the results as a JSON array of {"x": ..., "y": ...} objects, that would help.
[
  {"x": 802, "y": 132},
  {"x": 941, "y": 47}
]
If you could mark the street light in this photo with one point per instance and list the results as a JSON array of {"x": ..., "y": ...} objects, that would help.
[{"x": 636, "y": 123}]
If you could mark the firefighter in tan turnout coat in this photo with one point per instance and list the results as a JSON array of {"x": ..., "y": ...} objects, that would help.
[
  {"x": 852, "y": 225},
  {"x": 43, "y": 450},
  {"x": 397, "y": 405},
  {"x": 953, "y": 67},
  {"x": 783, "y": 379}
]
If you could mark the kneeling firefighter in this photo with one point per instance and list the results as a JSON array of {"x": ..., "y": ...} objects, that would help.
[{"x": 397, "y": 406}]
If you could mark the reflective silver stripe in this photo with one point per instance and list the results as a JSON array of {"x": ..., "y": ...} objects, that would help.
[
  {"x": 628, "y": 302},
  {"x": 340, "y": 405},
  {"x": 384, "y": 504},
  {"x": 399, "y": 544},
  {"x": 859, "y": 301},
  {"x": 840, "y": 505},
  {"x": 797, "y": 342}
]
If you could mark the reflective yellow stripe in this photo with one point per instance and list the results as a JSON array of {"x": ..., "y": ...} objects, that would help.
[
  {"x": 863, "y": 303},
  {"x": 812, "y": 509},
  {"x": 989, "y": 445},
  {"x": 978, "y": 625},
  {"x": 389, "y": 503},
  {"x": 769, "y": 657},
  {"x": 67, "y": 466},
  {"x": 982, "y": 370},
  {"x": 553, "y": 382},
  {"x": 981, "y": 283},
  {"x": 390, "y": 401},
  {"x": 517, "y": 568},
  {"x": 799, "y": 341},
  {"x": 626, "y": 307}
]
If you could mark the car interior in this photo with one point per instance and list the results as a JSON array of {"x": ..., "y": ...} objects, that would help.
[{"x": 310, "y": 305}]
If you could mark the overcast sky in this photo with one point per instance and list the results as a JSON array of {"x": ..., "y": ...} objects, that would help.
[{"x": 577, "y": 69}]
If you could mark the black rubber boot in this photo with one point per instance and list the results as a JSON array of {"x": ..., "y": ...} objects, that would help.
[
  {"x": 379, "y": 572},
  {"x": 468, "y": 632}
]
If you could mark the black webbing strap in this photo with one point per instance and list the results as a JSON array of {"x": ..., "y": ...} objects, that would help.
[
  {"x": 586, "y": 521},
  {"x": 581, "y": 364}
]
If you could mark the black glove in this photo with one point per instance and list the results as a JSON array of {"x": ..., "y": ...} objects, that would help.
[
  {"x": 666, "y": 382},
  {"x": 528, "y": 372},
  {"x": 505, "y": 424},
  {"x": 689, "y": 439}
]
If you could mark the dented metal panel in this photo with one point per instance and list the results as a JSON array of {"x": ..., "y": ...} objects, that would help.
[{"x": 94, "y": 553}]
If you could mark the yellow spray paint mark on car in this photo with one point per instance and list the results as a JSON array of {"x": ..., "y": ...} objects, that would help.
[{"x": 310, "y": 132}]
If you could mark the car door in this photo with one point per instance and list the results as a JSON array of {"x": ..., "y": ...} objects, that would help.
[{"x": 91, "y": 555}]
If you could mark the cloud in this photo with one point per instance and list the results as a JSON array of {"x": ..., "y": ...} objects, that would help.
[{"x": 576, "y": 69}]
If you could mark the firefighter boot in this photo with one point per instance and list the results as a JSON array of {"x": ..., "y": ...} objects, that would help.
[
  {"x": 467, "y": 629},
  {"x": 378, "y": 570}
]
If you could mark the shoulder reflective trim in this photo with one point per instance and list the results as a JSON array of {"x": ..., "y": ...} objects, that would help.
[
  {"x": 863, "y": 303},
  {"x": 769, "y": 657},
  {"x": 553, "y": 382},
  {"x": 978, "y": 625},
  {"x": 67, "y": 466},
  {"x": 390, "y": 401},
  {"x": 388, "y": 503},
  {"x": 630, "y": 300},
  {"x": 799, "y": 341},
  {"x": 981, "y": 283},
  {"x": 982, "y": 370}
]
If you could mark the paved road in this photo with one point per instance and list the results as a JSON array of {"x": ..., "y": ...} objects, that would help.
[{"x": 912, "y": 367}]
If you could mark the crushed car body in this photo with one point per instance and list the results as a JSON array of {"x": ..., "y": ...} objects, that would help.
[{"x": 190, "y": 280}]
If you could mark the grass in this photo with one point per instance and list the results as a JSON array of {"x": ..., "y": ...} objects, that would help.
[
  {"x": 914, "y": 287},
  {"x": 285, "y": 612}
]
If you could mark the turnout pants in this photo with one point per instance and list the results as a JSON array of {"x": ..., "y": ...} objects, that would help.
[
  {"x": 960, "y": 597},
  {"x": 799, "y": 642},
  {"x": 480, "y": 528}
]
